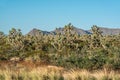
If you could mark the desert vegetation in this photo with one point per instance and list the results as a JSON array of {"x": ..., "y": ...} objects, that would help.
[
  {"x": 54, "y": 73},
  {"x": 33, "y": 71},
  {"x": 97, "y": 55}
]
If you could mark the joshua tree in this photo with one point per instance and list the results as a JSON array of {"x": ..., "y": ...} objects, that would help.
[
  {"x": 1, "y": 34},
  {"x": 15, "y": 38},
  {"x": 95, "y": 37}
]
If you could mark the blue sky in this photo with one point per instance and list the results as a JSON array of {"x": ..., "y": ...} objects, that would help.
[{"x": 49, "y": 14}]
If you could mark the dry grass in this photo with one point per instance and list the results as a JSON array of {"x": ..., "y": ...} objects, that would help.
[{"x": 24, "y": 72}]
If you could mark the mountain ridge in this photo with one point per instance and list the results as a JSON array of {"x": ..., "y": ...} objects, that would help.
[{"x": 105, "y": 31}]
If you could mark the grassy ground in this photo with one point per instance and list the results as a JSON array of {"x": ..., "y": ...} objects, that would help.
[{"x": 38, "y": 71}]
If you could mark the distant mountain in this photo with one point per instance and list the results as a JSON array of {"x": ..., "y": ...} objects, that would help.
[
  {"x": 105, "y": 31},
  {"x": 35, "y": 32},
  {"x": 109, "y": 31},
  {"x": 77, "y": 30}
]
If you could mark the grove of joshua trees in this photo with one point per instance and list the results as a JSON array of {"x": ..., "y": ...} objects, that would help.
[{"x": 67, "y": 48}]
